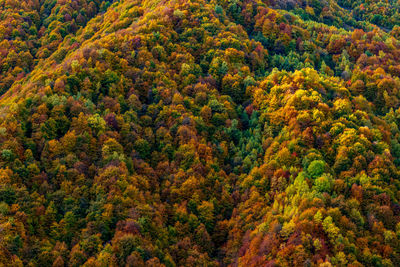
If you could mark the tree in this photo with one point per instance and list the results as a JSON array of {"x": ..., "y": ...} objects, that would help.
[
  {"x": 324, "y": 183},
  {"x": 316, "y": 168}
]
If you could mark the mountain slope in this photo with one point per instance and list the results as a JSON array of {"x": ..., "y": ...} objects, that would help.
[{"x": 201, "y": 133}]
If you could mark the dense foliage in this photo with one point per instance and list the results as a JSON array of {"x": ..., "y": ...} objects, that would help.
[{"x": 199, "y": 133}]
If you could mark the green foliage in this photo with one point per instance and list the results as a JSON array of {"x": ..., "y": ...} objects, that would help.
[
  {"x": 97, "y": 123},
  {"x": 218, "y": 9},
  {"x": 316, "y": 168},
  {"x": 324, "y": 183}
]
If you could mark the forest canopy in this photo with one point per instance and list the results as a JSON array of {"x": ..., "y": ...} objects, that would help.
[{"x": 199, "y": 133}]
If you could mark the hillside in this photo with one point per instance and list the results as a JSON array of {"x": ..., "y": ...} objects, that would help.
[{"x": 199, "y": 133}]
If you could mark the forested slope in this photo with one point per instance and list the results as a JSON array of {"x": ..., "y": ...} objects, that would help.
[{"x": 199, "y": 133}]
